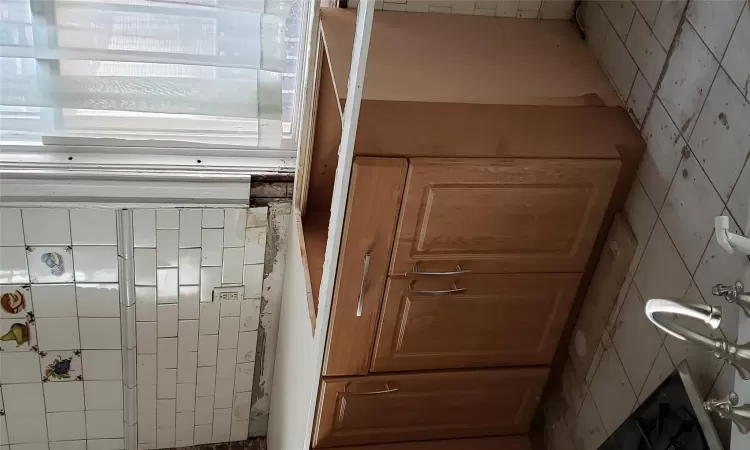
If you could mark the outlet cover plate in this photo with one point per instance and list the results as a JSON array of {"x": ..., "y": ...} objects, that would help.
[{"x": 228, "y": 293}]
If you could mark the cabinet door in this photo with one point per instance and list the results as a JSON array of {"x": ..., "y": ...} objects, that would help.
[
  {"x": 501, "y": 215},
  {"x": 369, "y": 228},
  {"x": 493, "y": 320},
  {"x": 411, "y": 407}
]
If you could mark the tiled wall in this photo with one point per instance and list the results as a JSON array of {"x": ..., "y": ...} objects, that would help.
[
  {"x": 60, "y": 365},
  {"x": 682, "y": 70},
  {"x": 527, "y": 9}
]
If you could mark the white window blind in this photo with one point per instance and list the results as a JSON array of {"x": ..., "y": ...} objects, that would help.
[{"x": 205, "y": 73}]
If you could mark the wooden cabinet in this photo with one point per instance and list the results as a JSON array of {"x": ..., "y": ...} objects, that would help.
[
  {"x": 493, "y": 320},
  {"x": 422, "y": 406},
  {"x": 372, "y": 212},
  {"x": 501, "y": 215},
  {"x": 492, "y": 443}
]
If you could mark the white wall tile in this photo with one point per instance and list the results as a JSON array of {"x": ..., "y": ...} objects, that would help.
[
  {"x": 43, "y": 226},
  {"x": 105, "y": 444},
  {"x": 242, "y": 404},
  {"x": 646, "y": 50},
  {"x": 30, "y": 446},
  {"x": 147, "y": 428},
  {"x": 648, "y": 9},
  {"x": 234, "y": 227},
  {"x": 611, "y": 390},
  {"x": 255, "y": 245},
  {"x": 184, "y": 428},
  {"x": 11, "y": 227},
  {"x": 642, "y": 217},
  {"x": 257, "y": 217},
  {"x": 229, "y": 308},
  {"x": 208, "y": 349},
  {"x": 54, "y": 300},
  {"x": 187, "y": 367},
  {"x": 246, "y": 346},
  {"x": 232, "y": 266},
  {"x": 639, "y": 99},
  {"x": 661, "y": 369},
  {"x": 146, "y": 398},
  {"x": 209, "y": 321},
  {"x": 239, "y": 430},
  {"x": 23, "y": 398},
  {"x": 167, "y": 219},
  {"x": 737, "y": 59},
  {"x": 188, "y": 335},
  {"x": 58, "y": 333},
  {"x": 190, "y": 228},
  {"x": 60, "y": 397},
  {"x": 204, "y": 410},
  {"x": 165, "y": 413},
  {"x": 720, "y": 140},
  {"x": 68, "y": 445},
  {"x": 663, "y": 153},
  {"x": 127, "y": 326},
  {"x": 165, "y": 437},
  {"x": 738, "y": 201},
  {"x": 667, "y": 21},
  {"x": 102, "y": 364},
  {"x": 166, "y": 353},
  {"x": 146, "y": 369},
  {"x": 212, "y": 247},
  {"x": 691, "y": 71},
  {"x": 554, "y": 9},
  {"x": 100, "y": 333},
  {"x": 166, "y": 384},
  {"x": 619, "y": 64},
  {"x": 225, "y": 362},
  {"x": 189, "y": 299},
  {"x": 253, "y": 280},
  {"x": 166, "y": 248},
  {"x": 202, "y": 434},
  {"x": 224, "y": 393},
  {"x": 190, "y": 266},
  {"x": 50, "y": 264},
  {"x": 93, "y": 226},
  {"x": 146, "y": 336},
  {"x": 222, "y": 418},
  {"x": 228, "y": 329},
  {"x": 13, "y": 268},
  {"x": 661, "y": 274},
  {"x": 95, "y": 264},
  {"x": 167, "y": 323},
  {"x": 145, "y": 299},
  {"x": 243, "y": 377},
  {"x": 185, "y": 397},
  {"x": 104, "y": 424},
  {"x": 206, "y": 381},
  {"x": 714, "y": 21},
  {"x": 589, "y": 430},
  {"x": 145, "y": 266},
  {"x": 103, "y": 395},
  {"x": 213, "y": 218},
  {"x": 144, "y": 228},
  {"x": 98, "y": 300},
  {"x": 66, "y": 426},
  {"x": 620, "y": 14},
  {"x": 166, "y": 285},
  {"x": 26, "y": 427},
  {"x": 210, "y": 278},
  {"x": 18, "y": 367}
]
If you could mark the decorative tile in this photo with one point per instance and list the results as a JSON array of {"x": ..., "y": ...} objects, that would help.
[
  {"x": 668, "y": 20},
  {"x": 104, "y": 424},
  {"x": 641, "y": 216},
  {"x": 232, "y": 266},
  {"x": 209, "y": 319},
  {"x": 246, "y": 346},
  {"x": 167, "y": 219},
  {"x": 165, "y": 413},
  {"x": 167, "y": 323},
  {"x": 100, "y": 333},
  {"x": 95, "y": 264},
  {"x": 720, "y": 140},
  {"x": 222, "y": 418},
  {"x": 737, "y": 59},
  {"x": 26, "y": 428},
  {"x": 66, "y": 426},
  {"x": 611, "y": 391},
  {"x": 145, "y": 304},
  {"x": 166, "y": 285},
  {"x": 204, "y": 410},
  {"x": 167, "y": 353},
  {"x": 50, "y": 264},
  {"x": 23, "y": 398},
  {"x": 44, "y": 226},
  {"x": 21, "y": 367},
  {"x": 234, "y": 227},
  {"x": 166, "y": 384},
  {"x": 210, "y": 278},
  {"x": 646, "y": 50},
  {"x": 189, "y": 300},
  {"x": 185, "y": 397},
  {"x": 18, "y": 335},
  {"x": 145, "y": 266},
  {"x": 15, "y": 301},
  {"x": 187, "y": 367},
  {"x": 98, "y": 300},
  {"x": 243, "y": 377},
  {"x": 190, "y": 266},
  {"x": 144, "y": 228},
  {"x": 11, "y": 227},
  {"x": 13, "y": 268},
  {"x": 212, "y": 241},
  {"x": 253, "y": 280},
  {"x": 689, "y": 210},
  {"x": 661, "y": 273},
  {"x": 187, "y": 335},
  {"x": 190, "y": 228},
  {"x": 213, "y": 218},
  {"x": 208, "y": 350},
  {"x": 166, "y": 248},
  {"x": 102, "y": 365},
  {"x": 61, "y": 397},
  {"x": 93, "y": 226},
  {"x": 206, "y": 381},
  {"x": 714, "y": 22},
  {"x": 62, "y": 365},
  {"x": 228, "y": 329},
  {"x": 146, "y": 337}
]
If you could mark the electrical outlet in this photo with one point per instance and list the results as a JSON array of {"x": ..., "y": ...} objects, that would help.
[{"x": 228, "y": 293}]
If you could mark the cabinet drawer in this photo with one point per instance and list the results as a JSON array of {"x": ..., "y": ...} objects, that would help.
[
  {"x": 501, "y": 215},
  {"x": 490, "y": 443},
  {"x": 371, "y": 217},
  {"x": 380, "y": 409},
  {"x": 492, "y": 320}
]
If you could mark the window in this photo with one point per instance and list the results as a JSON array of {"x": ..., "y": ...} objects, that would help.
[{"x": 208, "y": 75}]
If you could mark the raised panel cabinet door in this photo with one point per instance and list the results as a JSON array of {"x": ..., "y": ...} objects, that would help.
[
  {"x": 421, "y": 406},
  {"x": 491, "y": 320},
  {"x": 501, "y": 215},
  {"x": 369, "y": 228}
]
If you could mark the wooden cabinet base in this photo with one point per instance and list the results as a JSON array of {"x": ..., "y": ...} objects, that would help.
[{"x": 493, "y": 443}]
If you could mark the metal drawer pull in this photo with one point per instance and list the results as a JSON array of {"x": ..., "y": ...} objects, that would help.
[
  {"x": 384, "y": 391},
  {"x": 454, "y": 289},
  {"x": 361, "y": 300},
  {"x": 458, "y": 271}
]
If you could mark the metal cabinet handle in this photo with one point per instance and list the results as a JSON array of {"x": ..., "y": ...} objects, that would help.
[
  {"x": 454, "y": 289},
  {"x": 458, "y": 271},
  {"x": 387, "y": 390},
  {"x": 361, "y": 300}
]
